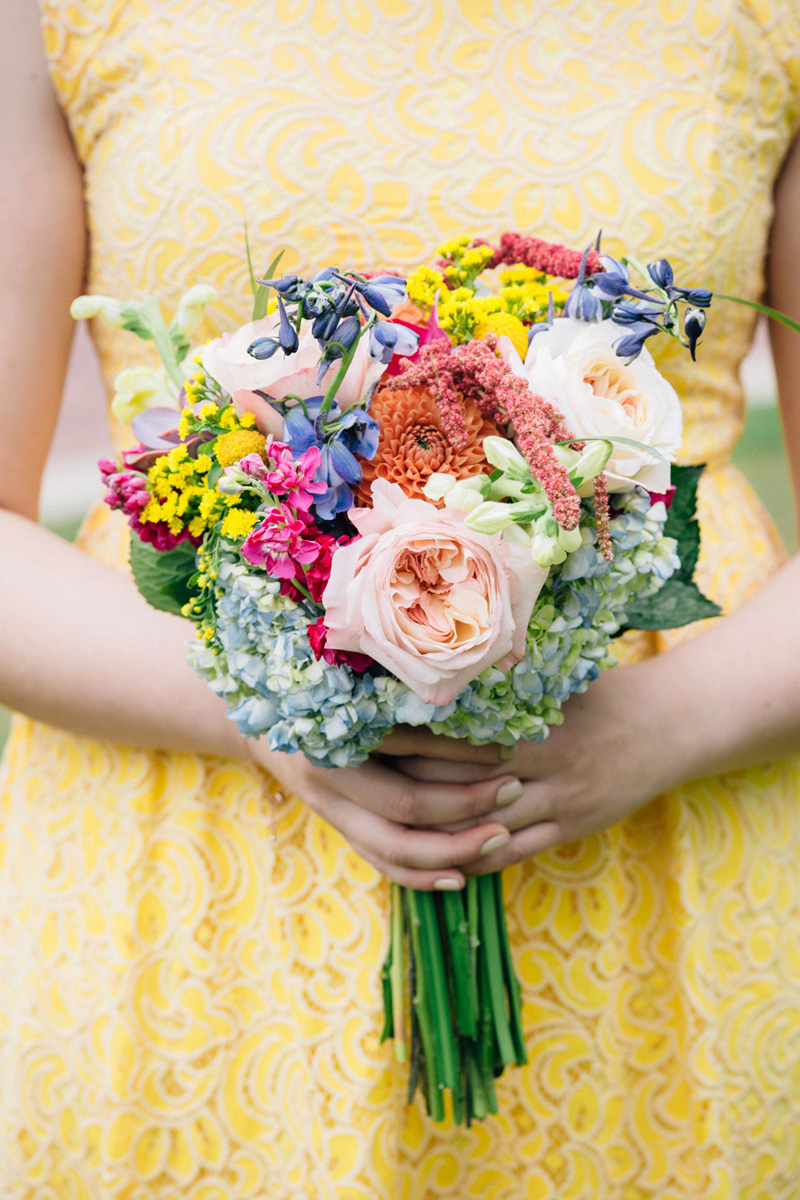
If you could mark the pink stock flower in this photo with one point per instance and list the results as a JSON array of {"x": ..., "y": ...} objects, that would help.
[
  {"x": 294, "y": 477},
  {"x": 430, "y": 599},
  {"x": 278, "y": 544}
]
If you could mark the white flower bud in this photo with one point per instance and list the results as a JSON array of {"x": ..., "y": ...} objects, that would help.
[
  {"x": 504, "y": 454},
  {"x": 490, "y": 517},
  {"x": 465, "y": 498},
  {"x": 570, "y": 540},
  {"x": 438, "y": 485},
  {"x": 115, "y": 312},
  {"x": 591, "y": 462}
]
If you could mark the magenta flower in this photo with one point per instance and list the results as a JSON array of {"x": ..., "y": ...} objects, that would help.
[
  {"x": 278, "y": 544},
  {"x": 317, "y": 636},
  {"x": 295, "y": 477}
]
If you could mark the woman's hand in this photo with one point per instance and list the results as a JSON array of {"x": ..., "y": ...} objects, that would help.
[
  {"x": 391, "y": 820},
  {"x": 616, "y": 750}
]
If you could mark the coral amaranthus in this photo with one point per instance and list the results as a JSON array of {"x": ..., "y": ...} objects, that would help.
[{"x": 472, "y": 373}]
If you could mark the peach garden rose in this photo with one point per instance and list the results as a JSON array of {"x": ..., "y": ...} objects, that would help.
[{"x": 431, "y": 600}]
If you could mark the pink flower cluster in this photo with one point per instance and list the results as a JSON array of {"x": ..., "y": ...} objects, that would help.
[
  {"x": 290, "y": 547},
  {"x": 278, "y": 544},
  {"x": 548, "y": 257},
  {"x": 473, "y": 372},
  {"x": 288, "y": 477},
  {"x": 128, "y": 491}
]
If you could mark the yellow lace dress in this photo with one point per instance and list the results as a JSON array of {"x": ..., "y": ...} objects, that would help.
[{"x": 188, "y": 1010}]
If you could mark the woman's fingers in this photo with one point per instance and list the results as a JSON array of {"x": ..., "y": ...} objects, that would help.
[
  {"x": 526, "y": 843},
  {"x": 443, "y": 770},
  {"x": 414, "y": 857},
  {"x": 410, "y": 740},
  {"x": 407, "y": 801}
]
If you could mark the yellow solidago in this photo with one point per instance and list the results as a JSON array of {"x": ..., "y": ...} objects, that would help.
[
  {"x": 238, "y": 523},
  {"x": 423, "y": 284},
  {"x": 461, "y": 312}
]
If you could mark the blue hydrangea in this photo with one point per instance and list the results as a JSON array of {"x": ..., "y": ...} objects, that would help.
[{"x": 265, "y": 668}]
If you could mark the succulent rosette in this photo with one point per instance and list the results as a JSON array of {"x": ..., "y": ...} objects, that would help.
[{"x": 431, "y": 501}]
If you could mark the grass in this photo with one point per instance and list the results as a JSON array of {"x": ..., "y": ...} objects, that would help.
[{"x": 759, "y": 455}]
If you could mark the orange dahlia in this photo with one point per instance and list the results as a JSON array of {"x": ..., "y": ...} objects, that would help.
[{"x": 413, "y": 445}]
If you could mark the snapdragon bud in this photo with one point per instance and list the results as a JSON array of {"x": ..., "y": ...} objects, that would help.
[
  {"x": 438, "y": 485},
  {"x": 138, "y": 388},
  {"x": 191, "y": 307},
  {"x": 504, "y": 454},
  {"x": 546, "y": 551},
  {"x": 229, "y": 485},
  {"x": 490, "y": 517},
  {"x": 122, "y": 314},
  {"x": 570, "y": 540},
  {"x": 465, "y": 498},
  {"x": 591, "y": 462}
]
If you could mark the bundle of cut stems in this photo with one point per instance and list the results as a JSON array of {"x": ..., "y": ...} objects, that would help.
[{"x": 451, "y": 997}]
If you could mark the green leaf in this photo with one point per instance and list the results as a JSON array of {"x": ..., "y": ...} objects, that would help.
[
  {"x": 676, "y": 603},
  {"x": 214, "y": 474},
  {"x": 253, "y": 284},
  {"x": 163, "y": 576},
  {"x": 262, "y": 295},
  {"x": 762, "y": 308},
  {"x": 679, "y": 601},
  {"x": 682, "y": 519}
]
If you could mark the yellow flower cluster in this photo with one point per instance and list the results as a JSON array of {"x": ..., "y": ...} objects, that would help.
[
  {"x": 465, "y": 262},
  {"x": 523, "y": 297},
  {"x": 423, "y": 284},
  {"x": 179, "y": 490},
  {"x": 183, "y": 497}
]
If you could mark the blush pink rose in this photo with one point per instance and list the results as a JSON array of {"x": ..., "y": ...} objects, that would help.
[
  {"x": 431, "y": 600},
  {"x": 242, "y": 376}
]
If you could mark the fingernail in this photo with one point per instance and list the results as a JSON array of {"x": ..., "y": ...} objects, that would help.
[
  {"x": 508, "y": 792},
  {"x": 507, "y": 752},
  {"x": 447, "y": 885},
  {"x": 495, "y": 843}
]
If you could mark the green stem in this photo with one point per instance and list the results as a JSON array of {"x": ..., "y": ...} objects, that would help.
[
  {"x": 494, "y": 964},
  {"x": 386, "y": 987},
  {"x": 151, "y": 314},
  {"x": 397, "y": 971},
  {"x": 434, "y": 963},
  {"x": 421, "y": 1002},
  {"x": 460, "y": 963},
  {"x": 486, "y": 1042},
  {"x": 512, "y": 983}
]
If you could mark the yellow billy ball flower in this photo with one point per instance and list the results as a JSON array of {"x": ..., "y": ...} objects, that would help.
[
  {"x": 233, "y": 446},
  {"x": 501, "y": 323}
]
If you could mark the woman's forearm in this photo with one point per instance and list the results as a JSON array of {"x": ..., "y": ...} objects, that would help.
[
  {"x": 82, "y": 650},
  {"x": 730, "y": 697}
]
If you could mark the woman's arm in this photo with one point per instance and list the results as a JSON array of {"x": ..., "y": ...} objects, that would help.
[
  {"x": 79, "y": 647},
  {"x": 728, "y": 698}
]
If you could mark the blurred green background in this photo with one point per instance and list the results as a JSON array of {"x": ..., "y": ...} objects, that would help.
[{"x": 759, "y": 455}]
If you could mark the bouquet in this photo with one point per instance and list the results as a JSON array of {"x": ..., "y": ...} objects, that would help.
[{"x": 433, "y": 501}]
